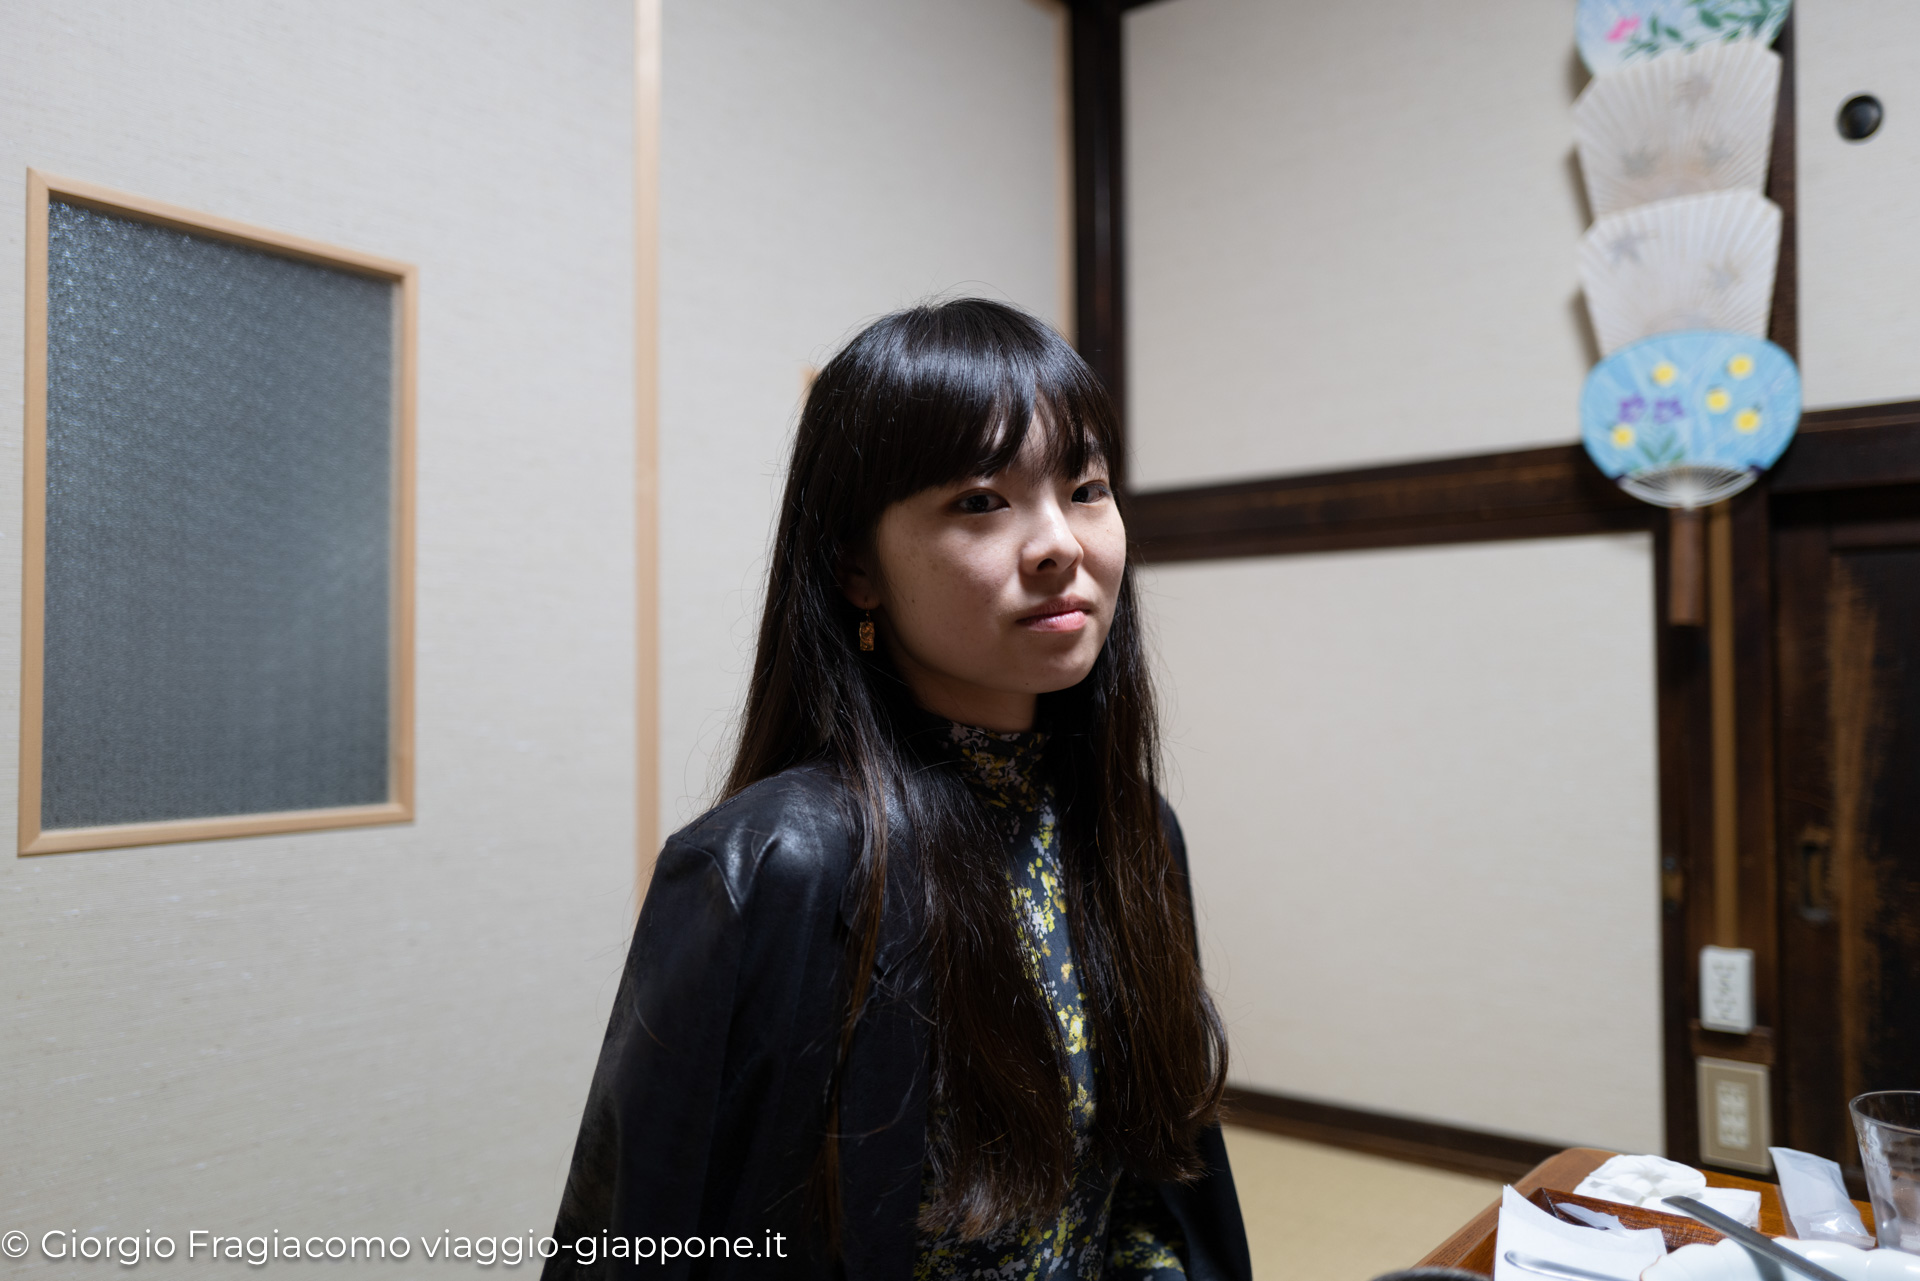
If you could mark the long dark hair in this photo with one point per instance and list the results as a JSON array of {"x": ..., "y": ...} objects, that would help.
[{"x": 924, "y": 397}]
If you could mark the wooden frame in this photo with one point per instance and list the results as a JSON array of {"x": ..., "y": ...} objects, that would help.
[
  {"x": 646, "y": 414},
  {"x": 1098, "y": 210},
  {"x": 42, "y": 189},
  {"x": 1716, "y": 699},
  {"x": 1527, "y": 493}
]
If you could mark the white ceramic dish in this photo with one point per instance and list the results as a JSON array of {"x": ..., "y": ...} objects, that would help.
[{"x": 1730, "y": 1261}]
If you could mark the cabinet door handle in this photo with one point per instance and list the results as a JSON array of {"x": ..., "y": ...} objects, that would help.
[{"x": 1816, "y": 859}]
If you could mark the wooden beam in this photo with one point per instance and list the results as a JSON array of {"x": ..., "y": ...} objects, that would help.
[
  {"x": 646, "y": 440},
  {"x": 1854, "y": 448},
  {"x": 1098, "y": 199},
  {"x": 1529, "y": 493},
  {"x": 1782, "y": 183}
]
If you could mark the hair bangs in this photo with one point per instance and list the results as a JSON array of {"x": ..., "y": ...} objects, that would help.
[{"x": 942, "y": 394}]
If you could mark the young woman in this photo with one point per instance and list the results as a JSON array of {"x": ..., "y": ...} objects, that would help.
[{"x": 921, "y": 998}]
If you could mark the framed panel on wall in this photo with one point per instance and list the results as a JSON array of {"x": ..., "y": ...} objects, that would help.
[{"x": 217, "y": 600}]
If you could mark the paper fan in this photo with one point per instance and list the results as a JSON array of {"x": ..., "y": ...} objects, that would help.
[
  {"x": 1696, "y": 262},
  {"x": 1687, "y": 419},
  {"x": 1613, "y": 33},
  {"x": 1678, "y": 125}
]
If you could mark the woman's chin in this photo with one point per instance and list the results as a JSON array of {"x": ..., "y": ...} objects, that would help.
[{"x": 1056, "y": 677}]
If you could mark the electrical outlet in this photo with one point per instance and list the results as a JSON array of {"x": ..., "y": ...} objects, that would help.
[
  {"x": 1726, "y": 989},
  {"x": 1734, "y": 1124}
]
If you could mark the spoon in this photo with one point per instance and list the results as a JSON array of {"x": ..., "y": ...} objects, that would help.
[
  {"x": 1564, "y": 1271},
  {"x": 1757, "y": 1244}
]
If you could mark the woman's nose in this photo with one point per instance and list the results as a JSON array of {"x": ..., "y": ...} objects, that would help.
[{"x": 1052, "y": 546}]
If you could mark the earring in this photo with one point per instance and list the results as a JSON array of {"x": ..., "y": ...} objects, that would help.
[{"x": 866, "y": 634}]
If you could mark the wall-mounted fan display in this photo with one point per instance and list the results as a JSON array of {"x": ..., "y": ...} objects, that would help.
[
  {"x": 1675, "y": 134},
  {"x": 1678, "y": 126}
]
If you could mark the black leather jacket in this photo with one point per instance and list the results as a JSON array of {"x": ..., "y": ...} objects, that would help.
[{"x": 704, "y": 1116}]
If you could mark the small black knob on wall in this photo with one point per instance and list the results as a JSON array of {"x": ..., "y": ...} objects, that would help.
[{"x": 1860, "y": 116}]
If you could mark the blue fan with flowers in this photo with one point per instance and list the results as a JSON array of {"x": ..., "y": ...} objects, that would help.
[{"x": 1686, "y": 419}]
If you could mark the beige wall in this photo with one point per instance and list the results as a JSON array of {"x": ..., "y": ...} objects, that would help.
[
  {"x": 1859, "y": 259},
  {"x": 1418, "y": 786},
  {"x": 384, "y": 1029},
  {"x": 1351, "y": 233},
  {"x": 824, "y": 161}
]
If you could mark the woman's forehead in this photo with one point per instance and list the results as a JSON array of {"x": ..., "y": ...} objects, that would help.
[{"x": 1046, "y": 448}]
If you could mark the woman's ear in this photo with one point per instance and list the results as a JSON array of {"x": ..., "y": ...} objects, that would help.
[{"x": 857, "y": 585}]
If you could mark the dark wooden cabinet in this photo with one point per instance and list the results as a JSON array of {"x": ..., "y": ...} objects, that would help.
[{"x": 1846, "y": 578}]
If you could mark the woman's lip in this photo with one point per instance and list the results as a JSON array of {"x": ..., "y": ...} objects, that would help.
[{"x": 1056, "y": 621}]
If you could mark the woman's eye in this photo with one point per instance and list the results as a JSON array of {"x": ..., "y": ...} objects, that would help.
[
  {"x": 978, "y": 504},
  {"x": 1092, "y": 492}
]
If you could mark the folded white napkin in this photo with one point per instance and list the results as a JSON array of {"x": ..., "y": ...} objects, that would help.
[
  {"x": 1642, "y": 1180},
  {"x": 1649, "y": 1180},
  {"x": 1738, "y": 1204},
  {"x": 1528, "y": 1230}
]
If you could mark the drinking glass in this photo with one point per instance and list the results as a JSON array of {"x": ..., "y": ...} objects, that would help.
[{"x": 1888, "y": 1123}]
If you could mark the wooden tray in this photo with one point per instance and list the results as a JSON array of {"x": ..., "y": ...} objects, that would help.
[
  {"x": 1471, "y": 1247},
  {"x": 1678, "y": 1229}
]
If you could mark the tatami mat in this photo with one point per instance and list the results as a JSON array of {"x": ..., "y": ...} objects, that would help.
[{"x": 1324, "y": 1214}]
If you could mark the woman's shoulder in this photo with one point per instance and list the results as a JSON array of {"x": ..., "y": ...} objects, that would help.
[{"x": 795, "y": 826}]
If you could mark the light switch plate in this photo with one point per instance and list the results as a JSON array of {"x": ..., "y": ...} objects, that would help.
[
  {"x": 1734, "y": 1112},
  {"x": 1726, "y": 989}
]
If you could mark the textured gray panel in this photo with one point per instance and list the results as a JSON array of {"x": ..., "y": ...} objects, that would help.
[{"x": 219, "y": 486}]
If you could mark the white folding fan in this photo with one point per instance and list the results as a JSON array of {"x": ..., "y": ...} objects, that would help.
[
  {"x": 1677, "y": 125},
  {"x": 1694, "y": 262}
]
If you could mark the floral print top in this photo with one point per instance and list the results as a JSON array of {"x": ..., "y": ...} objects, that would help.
[{"x": 1111, "y": 1225}]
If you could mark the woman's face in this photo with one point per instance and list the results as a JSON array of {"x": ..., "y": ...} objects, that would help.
[{"x": 997, "y": 589}]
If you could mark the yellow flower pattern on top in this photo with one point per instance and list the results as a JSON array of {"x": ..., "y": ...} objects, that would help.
[{"x": 1111, "y": 1225}]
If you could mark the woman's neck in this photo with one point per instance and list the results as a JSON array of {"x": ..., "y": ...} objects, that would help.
[
  {"x": 1001, "y": 766},
  {"x": 999, "y": 710}
]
